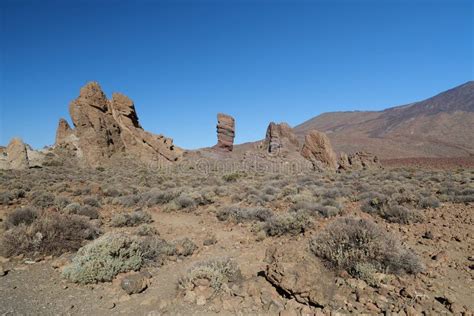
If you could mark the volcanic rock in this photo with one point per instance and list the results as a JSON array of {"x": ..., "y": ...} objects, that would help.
[
  {"x": 225, "y": 132},
  {"x": 280, "y": 136},
  {"x": 104, "y": 128},
  {"x": 317, "y": 149},
  {"x": 358, "y": 160},
  {"x": 293, "y": 271},
  {"x": 17, "y": 155}
]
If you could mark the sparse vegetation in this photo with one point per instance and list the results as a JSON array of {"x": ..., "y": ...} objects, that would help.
[
  {"x": 347, "y": 243},
  {"x": 219, "y": 272},
  {"x": 50, "y": 233},
  {"x": 134, "y": 218}
]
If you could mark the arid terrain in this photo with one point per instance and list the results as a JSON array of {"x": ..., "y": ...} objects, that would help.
[
  {"x": 113, "y": 219},
  {"x": 440, "y": 126},
  {"x": 395, "y": 241}
]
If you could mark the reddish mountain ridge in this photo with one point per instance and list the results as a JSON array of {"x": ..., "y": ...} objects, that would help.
[{"x": 441, "y": 126}]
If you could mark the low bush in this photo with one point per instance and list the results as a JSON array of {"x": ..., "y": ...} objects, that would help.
[
  {"x": 130, "y": 219},
  {"x": 50, "y": 234},
  {"x": 239, "y": 214},
  {"x": 43, "y": 200},
  {"x": 104, "y": 258},
  {"x": 429, "y": 202},
  {"x": 219, "y": 272},
  {"x": 146, "y": 230},
  {"x": 349, "y": 242},
  {"x": 292, "y": 224},
  {"x": 400, "y": 214},
  {"x": 19, "y": 216}
]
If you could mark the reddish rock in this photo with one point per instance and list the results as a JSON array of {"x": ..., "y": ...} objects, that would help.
[
  {"x": 280, "y": 136},
  {"x": 17, "y": 155},
  {"x": 104, "y": 128},
  {"x": 358, "y": 160},
  {"x": 225, "y": 132},
  {"x": 317, "y": 149}
]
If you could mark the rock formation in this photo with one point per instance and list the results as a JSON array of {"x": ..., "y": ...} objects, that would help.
[
  {"x": 293, "y": 271},
  {"x": 358, "y": 160},
  {"x": 104, "y": 128},
  {"x": 17, "y": 155},
  {"x": 317, "y": 149},
  {"x": 225, "y": 132},
  {"x": 280, "y": 136}
]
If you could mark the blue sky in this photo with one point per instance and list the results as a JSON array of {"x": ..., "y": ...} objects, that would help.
[{"x": 260, "y": 61}]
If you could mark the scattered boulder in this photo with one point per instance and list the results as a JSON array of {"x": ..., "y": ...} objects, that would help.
[
  {"x": 225, "y": 132},
  {"x": 358, "y": 160},
  {"x": 317, "y": 149},
  {"x": 134, "y": 283},
  {"x": 280, "y": 136},
  {"x": 293, "y": 271},
  {"x": 17, "y": 155},
  {"x": 104, "y": 128}
]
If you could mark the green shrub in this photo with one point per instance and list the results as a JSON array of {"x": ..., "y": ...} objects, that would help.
[
  {"x": 104, "y": 258},
  {"x": 348, "y": 242}
]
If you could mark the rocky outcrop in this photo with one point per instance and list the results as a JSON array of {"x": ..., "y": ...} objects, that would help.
[
  {"x": 280, "y": 136},
  {"x": 358, "y": 161},
  {"x": 300, "y": 275},
  {"x": 104, "y": 128},
  {"x": 317, "y": 149},
  {"x": 17, "y": 155},
  {"x": 225, "y": 132}
]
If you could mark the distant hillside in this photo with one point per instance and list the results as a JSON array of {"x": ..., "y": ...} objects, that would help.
[{"x": 441, "y": 126}]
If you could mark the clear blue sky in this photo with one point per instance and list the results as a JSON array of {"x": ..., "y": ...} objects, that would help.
[{"x": 260, "y": 61}]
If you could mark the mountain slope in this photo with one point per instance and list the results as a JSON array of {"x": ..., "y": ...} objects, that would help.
[{"x": 441, "y": 126}]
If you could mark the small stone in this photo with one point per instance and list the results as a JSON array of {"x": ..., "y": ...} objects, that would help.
[
  {"x": 428, "y": 235},
  {"x": 134, "y": 283},
  {"x": 3, "y": 271},
  {"x": 109, "y": 305}
]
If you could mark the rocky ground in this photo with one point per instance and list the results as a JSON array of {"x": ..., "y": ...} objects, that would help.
[{"x": 278, "y": 272}]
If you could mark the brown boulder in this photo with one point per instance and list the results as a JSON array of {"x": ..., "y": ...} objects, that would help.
[
  {"x": 225, "y": 132},
  {"x": 280, "y": 136},
  {"x": 17, "y": 155},
  {"x": 317, "y": 149},
  {"x": 105, "y": 128},
  {"x": 299, "y": 274},
  {"x": 358, "y": 160}
]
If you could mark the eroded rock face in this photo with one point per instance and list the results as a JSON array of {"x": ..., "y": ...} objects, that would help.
[
  {"x": 358, "y": 160},
  {"x": 104, "y": 128},
  {"x": 280, "y": 136},
  {"x": 225, "y": 132},
  {"x": 301, "y": 275},
  {"x": 317, "y": 149},
  {"x": 17, "y": 155}
]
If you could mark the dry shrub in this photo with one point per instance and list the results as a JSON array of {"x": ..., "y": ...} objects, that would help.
[
  {"x": 347, "y": 243},
  {"x": 287, "y": 224},
  {"x": 50, "y": 234},
  {"x": 130, "y": 219},
  {"x": 240, "y": 214},
  {"x": 219, "y": 272},
  {"x": 26, "y": 215}
]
